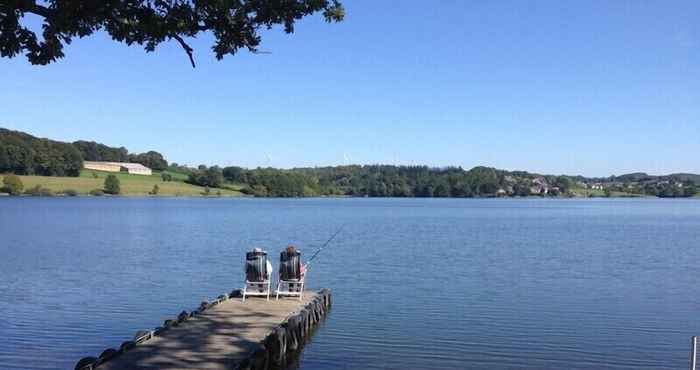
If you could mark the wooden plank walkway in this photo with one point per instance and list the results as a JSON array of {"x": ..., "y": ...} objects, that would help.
[{"x": 219, "y": 338}]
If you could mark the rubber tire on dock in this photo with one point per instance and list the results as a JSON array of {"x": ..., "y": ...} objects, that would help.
[{"x": 84, "y": 362}]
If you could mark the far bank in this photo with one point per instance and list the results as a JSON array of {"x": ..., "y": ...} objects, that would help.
[{"x": 92, "y": 183}]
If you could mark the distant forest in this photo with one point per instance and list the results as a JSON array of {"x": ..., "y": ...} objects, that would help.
[
  {"x": 455, "y": 182},
  {"x": 24, "y": 154},
  {"x": 388, "y": 181}
]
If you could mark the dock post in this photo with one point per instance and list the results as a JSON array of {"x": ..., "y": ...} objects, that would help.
[{"x": 693, "y": 352}]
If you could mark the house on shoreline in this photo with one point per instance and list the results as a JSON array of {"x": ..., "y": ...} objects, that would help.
[
  {"x": 539, "y": 186},
  {"x": 131, "y": 168}
]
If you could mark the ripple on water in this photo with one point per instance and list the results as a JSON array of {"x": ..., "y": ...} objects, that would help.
[{"x": 417, "y": 284}]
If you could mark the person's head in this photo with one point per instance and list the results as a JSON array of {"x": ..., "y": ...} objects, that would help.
[
  {"x": 258, "y": 250},
  {"x": 291, "y": 249}
]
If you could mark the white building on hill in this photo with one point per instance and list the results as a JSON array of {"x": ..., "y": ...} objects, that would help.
[{"x": 132, "y": 168}]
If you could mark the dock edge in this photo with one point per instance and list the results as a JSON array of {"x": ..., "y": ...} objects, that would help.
[{"x": 286, "y": 338}]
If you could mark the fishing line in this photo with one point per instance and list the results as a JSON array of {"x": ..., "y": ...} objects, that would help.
[{"x": 325, "y": 244}]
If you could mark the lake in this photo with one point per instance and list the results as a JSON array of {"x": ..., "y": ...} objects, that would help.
[{"x": 417, "y": 283}]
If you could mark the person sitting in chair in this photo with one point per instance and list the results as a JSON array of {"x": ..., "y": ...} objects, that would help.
[
  {"x": 257, "y": 267},
  {"x": 291, "y": 268}
]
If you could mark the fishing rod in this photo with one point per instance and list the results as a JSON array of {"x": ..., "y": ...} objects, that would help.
[{"x": 325, "y": 245}]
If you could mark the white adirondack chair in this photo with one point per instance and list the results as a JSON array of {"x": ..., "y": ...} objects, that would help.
[
  {"x": 260, "y": 286},
  {"x": 290, "y": 288}
]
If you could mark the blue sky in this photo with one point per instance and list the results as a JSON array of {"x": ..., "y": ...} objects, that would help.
[{"x": 588, "y": 87}]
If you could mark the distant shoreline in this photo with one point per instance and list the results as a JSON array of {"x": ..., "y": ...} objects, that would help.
[
  {"x": 170, "y": 196},
  {"x": 174, "y": 184}
]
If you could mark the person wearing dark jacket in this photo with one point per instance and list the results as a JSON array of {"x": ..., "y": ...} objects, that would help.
[{"x": 291, "y": 268}]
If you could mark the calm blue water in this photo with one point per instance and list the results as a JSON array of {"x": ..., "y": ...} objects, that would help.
[{"x": 418, "y": 283}]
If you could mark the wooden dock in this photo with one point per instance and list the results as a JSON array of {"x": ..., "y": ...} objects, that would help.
[{"x": 228, "y": 334}]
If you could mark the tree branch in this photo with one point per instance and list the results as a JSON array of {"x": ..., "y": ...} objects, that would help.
[
  {"x": 30, "y": 6},
  {"x": 187, "y": 48},
  {"x": 234, "y": 24}
]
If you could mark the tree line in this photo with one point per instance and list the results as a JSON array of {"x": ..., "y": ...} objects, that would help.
[
  {"x": 24, "y": 154},
  {"x": 412, "y": 181},
  {"x": 375, "y": 181},
  {"x": 662, "y": 189}
]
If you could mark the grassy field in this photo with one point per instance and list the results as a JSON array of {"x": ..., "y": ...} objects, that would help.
[
  {"x": 131, "y": 185},
  {"x": 581, "y": 192}
]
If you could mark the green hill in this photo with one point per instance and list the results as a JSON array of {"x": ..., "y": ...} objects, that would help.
[{"x": 131, "y": 185}]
